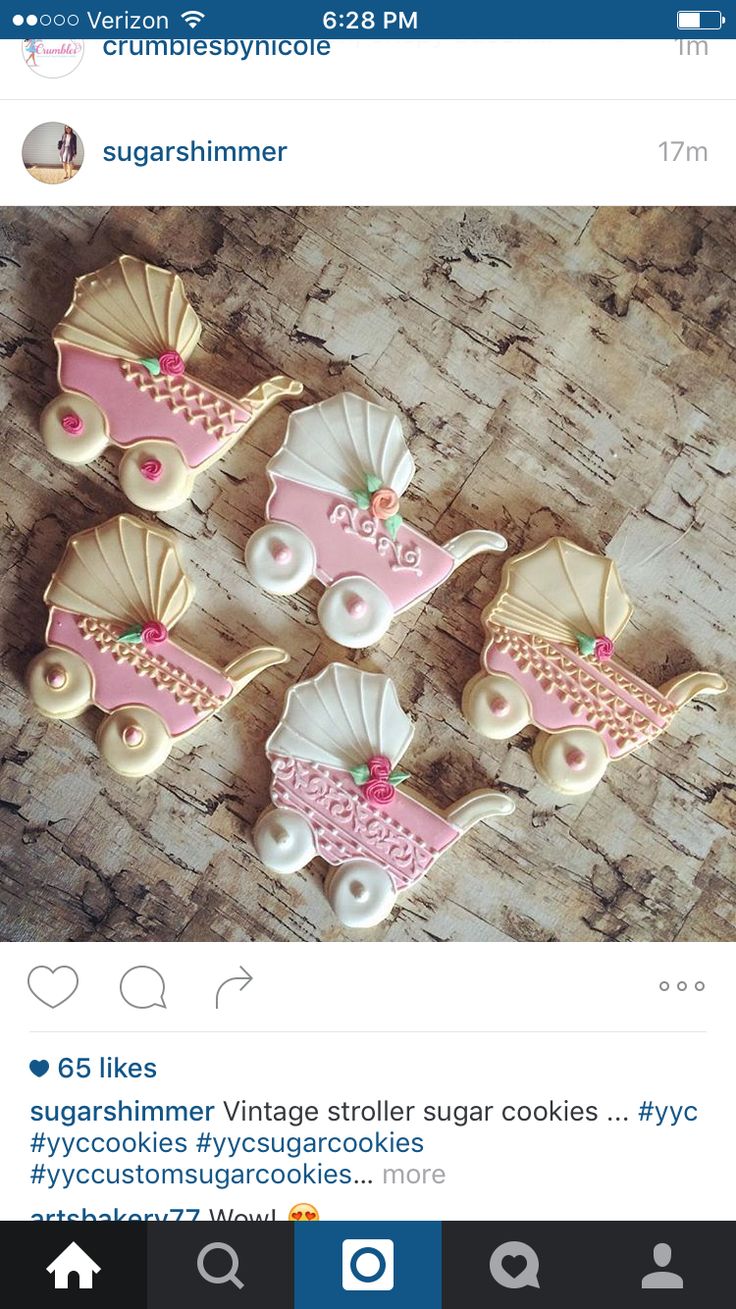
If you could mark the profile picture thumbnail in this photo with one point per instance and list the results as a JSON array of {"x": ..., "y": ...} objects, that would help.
[
  {"x": 53, "y": 152},
  {"x": 52, "y": 56}
]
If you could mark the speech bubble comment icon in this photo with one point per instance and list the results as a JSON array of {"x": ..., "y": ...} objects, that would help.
[
  {"x": 515, "y": 1265},
  {"x": 143, "y": 988}
]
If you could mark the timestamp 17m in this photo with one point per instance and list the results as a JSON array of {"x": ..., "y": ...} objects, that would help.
[{"x": 369, "y": 19}]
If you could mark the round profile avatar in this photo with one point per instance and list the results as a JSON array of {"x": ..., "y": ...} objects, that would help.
[
  {"x": 52, "y": 56},
  {"x": 53, "y": 152}
]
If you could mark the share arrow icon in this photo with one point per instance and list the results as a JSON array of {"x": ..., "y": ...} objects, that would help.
[{"x": 240, "y": 981}]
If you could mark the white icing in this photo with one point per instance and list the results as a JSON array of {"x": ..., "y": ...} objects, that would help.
[
  {"x": 361, "y": 893},
  {"x": 336, "y": 444},
  {"x": 153, "y": 741},
  {"x": 85, "y": 445},
  {"x": 283, "y": 840},
  {"x": 342, "y": 718},
  {"x": 280, "y": 558},
  {"x": 496, "y": 706},
  {"x": 347, "y": 622},
  {"x": 170, "y": 489},
  {"x": 553, "y": 753}
]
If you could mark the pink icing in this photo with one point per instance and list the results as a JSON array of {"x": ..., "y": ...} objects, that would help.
[
  {"x": 73, "y": 425},
  {"x": 603, "y": 647},
  {"x": 378, "y": 791},
  {"x": 117, "y": 684},
  {"x": 384, "y": 503},
  {"x": 405, "y": 839},
  {"x": 379, "y": 766},
  {"x": 554, "y": 714},
  {"x": 342, "y": 553},
  {"x": 151, "y": 469},
  {"x": 171, "y": 363},
  {"x": 153, "y": 633},
  {"x": 132, "y": 415}
]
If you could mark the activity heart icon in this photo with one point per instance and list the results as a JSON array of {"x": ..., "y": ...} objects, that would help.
[
  {"x": 39, "y": 1067},
  {"x": 52, "y": 986}
]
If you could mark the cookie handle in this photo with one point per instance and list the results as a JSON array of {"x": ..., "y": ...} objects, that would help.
[
  {"x": 476, "y": 542},
  {"x": 681, "y": 689},
  {"x": 247, "y": 666},
  {"x": 268, "y": 393},
  {"x": 477, "y": 806}
]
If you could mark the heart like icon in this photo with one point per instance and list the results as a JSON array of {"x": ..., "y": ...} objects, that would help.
[
  {"x": 39, "y": 1067},
  {"x": 53, "y": 986}
]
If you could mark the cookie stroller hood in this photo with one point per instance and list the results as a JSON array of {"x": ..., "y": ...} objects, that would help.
[
  {"x": 123, "y": 571},
  {"x": 131, "y": 310},
  {"x": 341, "y": 719},
  {"x": 563, "y": 593}
]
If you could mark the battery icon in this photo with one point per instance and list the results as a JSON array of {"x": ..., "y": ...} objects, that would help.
[{"x": 700, "y": 20}]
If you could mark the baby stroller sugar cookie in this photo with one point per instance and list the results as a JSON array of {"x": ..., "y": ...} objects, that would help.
[
  {"x": 549, "y": 659},
  {"x": 337, "y": 792},
  {"x": 113, "y": 601},
  {"x": 123, "y": 347},
  {"x": 334, "y": 514}
]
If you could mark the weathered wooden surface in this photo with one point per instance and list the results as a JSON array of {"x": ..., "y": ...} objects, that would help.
[{"x": 563, "y": 371}]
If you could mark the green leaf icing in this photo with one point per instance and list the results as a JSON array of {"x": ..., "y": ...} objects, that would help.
[
  {"x": 360, "y": 774},
  {"x": 133, "y": 636},
  {"x": 152, "y": 365},
  {"x": 396, "y": 776},
  {"x": 393, "y": 524},
  {"x": 362, "y": 499},
  {"x": 586, "y": 644},
  {"x": 373, "y": 483}
]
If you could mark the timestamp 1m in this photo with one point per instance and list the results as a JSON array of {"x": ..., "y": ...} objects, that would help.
[{"x": 368, "y": 19}]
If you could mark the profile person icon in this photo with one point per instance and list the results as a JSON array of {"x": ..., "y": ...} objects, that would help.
[{"x": 663, "y": 1280}]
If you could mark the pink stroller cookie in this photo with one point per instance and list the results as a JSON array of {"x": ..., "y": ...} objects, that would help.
[
  {"x": 334, "y": 514},
  {"x": 549, "y": 660},
  {"x": 123, "y": 347},
  {"x": 337, "y": 792},
  {"x": 113, "y": 601}
]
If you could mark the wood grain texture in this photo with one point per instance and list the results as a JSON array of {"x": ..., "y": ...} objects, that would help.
[{"x": 567, "y": 371}]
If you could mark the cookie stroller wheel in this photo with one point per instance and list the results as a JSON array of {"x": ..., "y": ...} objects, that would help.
[
  {"x": 74, "y": 428},
  {"x": 154, "y": 475},
  {"x": 280, "y": 558},
  {"x": 360, "y": 892},
  {"x": 496, "y": 706},
  {"x": 573, "y": 761},
  {"x": 283, "y": 840},
  {"x": 355, "y": 612},
  {"x": 134, "y": 740},
  {"x": 60, "y": 683}
]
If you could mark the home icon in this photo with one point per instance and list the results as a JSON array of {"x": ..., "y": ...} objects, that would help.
[{"x": 70, "y": 1261}]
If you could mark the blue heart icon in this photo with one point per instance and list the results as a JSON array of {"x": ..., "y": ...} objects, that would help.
[{"x": 39, "y": 1067}]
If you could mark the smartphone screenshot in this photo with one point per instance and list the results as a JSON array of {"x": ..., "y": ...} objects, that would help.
[{"x": 367, "y": 611}]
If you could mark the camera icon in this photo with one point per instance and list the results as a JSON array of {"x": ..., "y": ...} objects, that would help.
[{"x": 367, "y": 1265}]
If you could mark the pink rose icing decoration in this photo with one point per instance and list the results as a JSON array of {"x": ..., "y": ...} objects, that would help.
[
  {"x": 384, "y": 503},
  {"x": 152, "y": 633},
  {"x": 73, "y": 425},
  {"x": 379, "y": 767},
  {"x": 172, "y": 363},
  {"x": 379, "y": 791},
  {"x": 152, "y": 469},
  {"x": 603, "y": 648}
]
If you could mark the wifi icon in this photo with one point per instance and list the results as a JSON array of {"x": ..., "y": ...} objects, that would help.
[{"x": 193, "y": 17}]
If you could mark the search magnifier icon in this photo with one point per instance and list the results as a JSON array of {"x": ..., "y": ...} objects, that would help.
[{"x": 219, "y": 1279}]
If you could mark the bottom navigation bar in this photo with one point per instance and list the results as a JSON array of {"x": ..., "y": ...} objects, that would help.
[{"x": 308, "y": 1264}]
